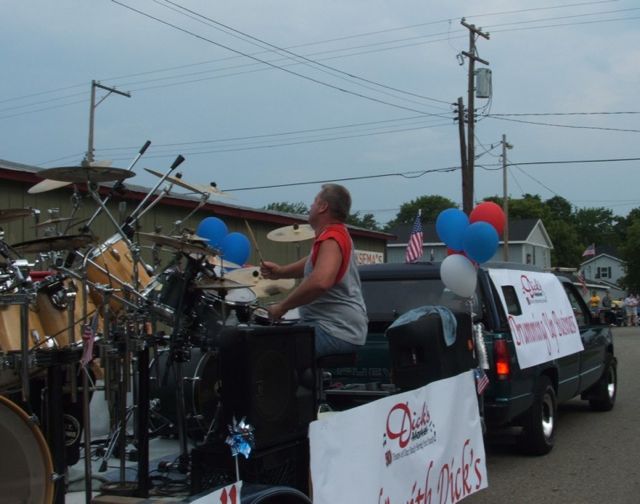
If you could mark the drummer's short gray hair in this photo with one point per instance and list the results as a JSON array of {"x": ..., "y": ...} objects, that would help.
[{"x": 338, "y": 199}]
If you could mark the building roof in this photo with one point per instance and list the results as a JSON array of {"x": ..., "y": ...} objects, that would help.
[
  {"x": 519, "y": 232},
  {"x": 10, "y": 170}
]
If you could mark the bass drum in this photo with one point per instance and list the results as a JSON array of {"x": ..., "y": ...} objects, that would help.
[
  {"x": 25, "y": 466},
  {"x": 201, "y": 385}
]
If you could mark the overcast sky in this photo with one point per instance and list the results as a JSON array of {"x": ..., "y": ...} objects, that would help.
[{"x": 370, "y": 97}]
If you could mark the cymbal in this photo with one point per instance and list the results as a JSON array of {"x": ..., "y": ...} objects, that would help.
[
  {"x": 185, "y": 185},
  {"x": 294, "y": 233},
  {"x": 222, "y": 263},
  {"x": 51, "y": 243},
  {"x": 262, "y": 287},
  {"x": 9, "y": 214},
  {"x": 218, "y": 284},
  {"x": 190, "y": 244},
  {"x": 51, "y": 222},
  {"x": 78, "y": 174},
  {"x": 46, "y": 185}
]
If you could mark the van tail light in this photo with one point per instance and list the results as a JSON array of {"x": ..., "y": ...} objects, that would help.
[{"x": 501, "y": 359}]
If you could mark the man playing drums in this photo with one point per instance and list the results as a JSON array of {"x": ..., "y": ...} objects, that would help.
[{"x": 329, "y": 297}]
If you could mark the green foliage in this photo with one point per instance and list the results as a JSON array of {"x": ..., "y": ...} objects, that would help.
[
  {"x": 366, "y": 221},
  {"x": 629, "y": 251},
  {"x": 431, "y": 206},
  {"x": 298, "y": 208}
]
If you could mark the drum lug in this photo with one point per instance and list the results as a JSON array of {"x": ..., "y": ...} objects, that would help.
[
  {"x": 34, "y": 420},
  {"x": 56, "y": 477}
]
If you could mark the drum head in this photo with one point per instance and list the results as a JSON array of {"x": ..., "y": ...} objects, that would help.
[{"x": 25, "y": 465}]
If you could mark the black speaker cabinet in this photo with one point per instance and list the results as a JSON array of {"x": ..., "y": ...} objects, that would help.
[
  {"x": 268, "y": 376},
  {"x": 419, "y": 354}
]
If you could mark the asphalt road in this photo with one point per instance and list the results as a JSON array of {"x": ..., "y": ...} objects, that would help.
[{"x": 596, "y": 458}]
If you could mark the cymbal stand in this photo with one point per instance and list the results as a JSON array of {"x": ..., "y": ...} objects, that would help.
[
  {"x": 86, "y": 414},
  {"x": 204, "y": 197},
  {"x": 92, "y": 187},
  {"x": 119, "y": 184},
  {"x": 76, "y": 199}
]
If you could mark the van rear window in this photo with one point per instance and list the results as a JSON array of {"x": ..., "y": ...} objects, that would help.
[{"x": 511, "y": 300}]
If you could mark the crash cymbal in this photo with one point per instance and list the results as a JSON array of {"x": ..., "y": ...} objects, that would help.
[
  {"x": 9, "y": 214},
  {"x": 262, "y": 287},
  {"x": 180, "y": 243},
  {"x": 218, "y": 284},
  {"x": 78, "y": 174},
  {"x": 51, "y": 222},
  {"x": 52, "y": 243},
  {"x": 294, "y": 233},
  {"x": 191, "y": 187}
]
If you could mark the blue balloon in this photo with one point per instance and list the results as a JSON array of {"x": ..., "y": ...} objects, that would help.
[
  {"x": 480, "y": 241},
  {"x": 450, "y": 226},
  {"x": 236, "y": 248},
  {"x": 213, "y": 230}
]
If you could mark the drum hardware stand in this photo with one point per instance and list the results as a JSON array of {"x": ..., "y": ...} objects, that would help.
[
  {"x": 92, "y": 187},
  {"x": 86, "y": 399},
  {"x": 204, "y": 197}
]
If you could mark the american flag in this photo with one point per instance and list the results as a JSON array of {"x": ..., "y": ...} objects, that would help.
[
  {"x": 590, "y": 250},
  {"x": 583, "y": 283},
  {"x": 482, "y": 381},
  {"x": 414, "y": 247}
]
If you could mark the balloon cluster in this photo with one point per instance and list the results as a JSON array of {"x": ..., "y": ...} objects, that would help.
[
  {"x": 470, "y": 240},
  {"x": 234, "y": 247}
]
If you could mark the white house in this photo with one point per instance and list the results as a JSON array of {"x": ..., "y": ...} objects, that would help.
[
  {"x": 529, "y": 243},
  {"x": 607, "y": 268}
]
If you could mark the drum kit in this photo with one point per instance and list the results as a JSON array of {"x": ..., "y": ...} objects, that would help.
[{"x": 72, "y": 308}]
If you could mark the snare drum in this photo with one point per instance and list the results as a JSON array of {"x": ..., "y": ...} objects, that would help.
[
  {"x": 238, "y": 304},
  {"x": 26, "y": 468},
  {"x": 112, "y": 264},
  {"x": 52, "y": 308}
]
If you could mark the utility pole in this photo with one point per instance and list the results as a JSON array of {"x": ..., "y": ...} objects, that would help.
[
  {"x": 505, "y": 198},
  {"x": 463, "y": 148},
  {"x": 467, "y": 197},
  {"x": 94, "y": 84}
]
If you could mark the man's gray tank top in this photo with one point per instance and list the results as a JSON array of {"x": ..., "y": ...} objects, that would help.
[{"x": 341, "y": 310}]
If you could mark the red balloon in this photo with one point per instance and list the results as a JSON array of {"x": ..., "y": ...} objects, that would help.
[
  {"x": 453, "y": 252},
  {"x": 491, "y": 213}
]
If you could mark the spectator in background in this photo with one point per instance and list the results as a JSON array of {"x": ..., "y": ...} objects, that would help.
[
  {"x": 594, "y": 302},
  {"x": 607, "y": 316},
  {"x": 631, "y": 306}
]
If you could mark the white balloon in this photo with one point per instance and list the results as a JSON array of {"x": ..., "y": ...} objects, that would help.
[{"x": 459, "y": 274}]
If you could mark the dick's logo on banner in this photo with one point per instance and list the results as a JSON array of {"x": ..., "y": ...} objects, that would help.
[{"x": 423, "y": 446}]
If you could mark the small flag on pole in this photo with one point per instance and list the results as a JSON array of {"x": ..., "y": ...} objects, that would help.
[
  {"x": 482, "y": 380},
  {"x": 590, "y": 250},
  {"x": 414, "y": 247}
]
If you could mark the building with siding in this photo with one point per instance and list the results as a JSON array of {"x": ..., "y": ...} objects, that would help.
[
  {"x": 529, "y": 243},
  {"x": 605, "y": 268},
  {"x": 18, "y": 178}
]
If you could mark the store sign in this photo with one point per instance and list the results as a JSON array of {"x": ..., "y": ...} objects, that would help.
[{"x": 369, "y": 257}]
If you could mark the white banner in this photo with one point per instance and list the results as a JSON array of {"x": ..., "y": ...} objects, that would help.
[
  {"x": 227, "y": 495},
  {"x": 368, "y": 257},
  {"x": 422, "y": 446},
  {"x": 546, "y": 328}
]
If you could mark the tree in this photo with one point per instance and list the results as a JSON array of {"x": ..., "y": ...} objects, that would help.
[
  {"x": 367, "y": 221},
  {"x": 630, "y": 254},
  {"x": 567, "y": 248},
  {"x": 298, "y": 208},
  {"x": 596, "y": 225},
  {"x": 431, "y": 206}
]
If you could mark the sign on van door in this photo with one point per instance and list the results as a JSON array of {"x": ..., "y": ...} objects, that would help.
[{"x": 541, "y": 319}]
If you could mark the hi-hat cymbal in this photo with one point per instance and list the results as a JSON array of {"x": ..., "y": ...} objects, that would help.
[
  {"x": 46, "y": 185},
  {"x": 9, "y": 214},
  {"x": 181, "y": 243},
  {"x": 222, "y": 263},
  {"x": 53, "y": 243},
  {"x": 218, "y": 284},
  {"x": 262, "y": 287},
  {"x": 79, "y": 174},
  {"x": 294, "y": 233},
  {"x": 185, "y": 185}
]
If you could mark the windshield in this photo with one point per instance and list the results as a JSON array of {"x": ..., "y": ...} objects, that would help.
[{"x": 388, "y": 299}]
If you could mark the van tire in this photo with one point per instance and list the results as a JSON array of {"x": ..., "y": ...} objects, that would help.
[
  {"x": 602, "y": 396},
  {"x": 539, "y": 422}
]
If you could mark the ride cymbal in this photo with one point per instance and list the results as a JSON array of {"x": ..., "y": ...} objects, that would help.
[
  {"x": 51, "y": 222},
  {"x": 294, "y": 233},
  {"x": 79, "y": 174},
  {"x": 53, "y": 243},
  {"x": 218, "y": 284},
  {"x": 47, "y": 185}
]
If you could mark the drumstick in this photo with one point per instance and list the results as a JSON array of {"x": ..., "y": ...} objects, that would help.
[{"x": 255, "y": 242}]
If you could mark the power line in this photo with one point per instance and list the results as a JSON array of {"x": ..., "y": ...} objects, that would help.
[
  {"x": 574, "y": 161},
  {"x": 493, "y": 114},
  {"x": 569, "y": 126},
  {"x": 306, "y": 77}
]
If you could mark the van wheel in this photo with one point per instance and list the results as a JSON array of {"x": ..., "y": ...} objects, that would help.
[
  {"x": 539, "y": 422},
  {"x": 603, "y": 395}
]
